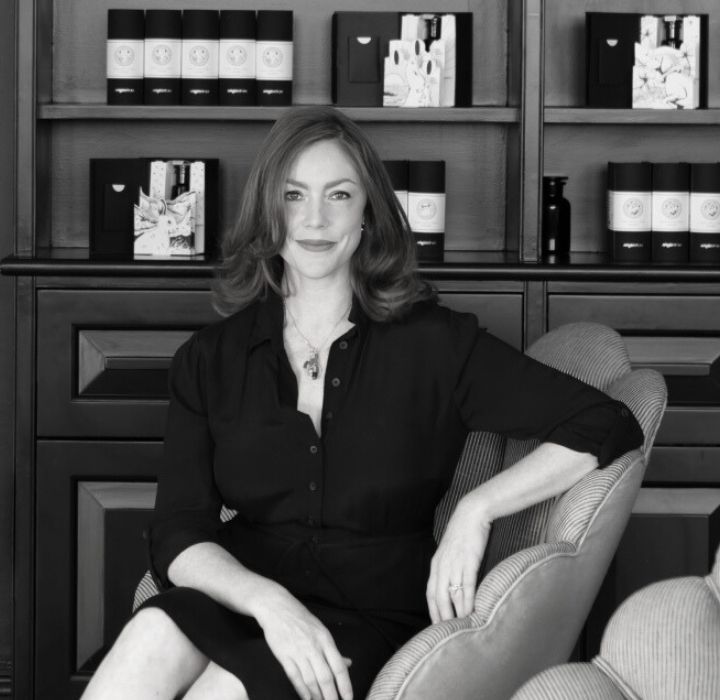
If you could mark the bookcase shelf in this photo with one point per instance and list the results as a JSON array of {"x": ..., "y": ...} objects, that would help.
[{"x": 633, "y": 117}]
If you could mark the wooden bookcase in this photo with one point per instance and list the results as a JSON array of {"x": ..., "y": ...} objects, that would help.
[{"x": 81, "y": 456}]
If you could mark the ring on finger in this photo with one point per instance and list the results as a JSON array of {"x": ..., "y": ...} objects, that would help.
[{"x": 455, "y": 587}]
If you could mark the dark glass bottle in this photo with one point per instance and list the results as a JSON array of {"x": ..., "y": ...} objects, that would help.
[
  {"x": 673, "y": 31},
  {"x": 181, "y": 183},
  {"x": 555, "y": 220}
]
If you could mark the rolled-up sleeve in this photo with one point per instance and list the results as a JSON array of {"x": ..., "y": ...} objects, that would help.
[
  {"x": 187, "y": 506},
  {"x": 502, "y": 390}
]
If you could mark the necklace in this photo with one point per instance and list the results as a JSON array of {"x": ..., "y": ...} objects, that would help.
[{"x": 312, "y": 364}]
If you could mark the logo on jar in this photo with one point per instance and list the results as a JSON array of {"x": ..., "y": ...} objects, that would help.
[
  {"x": 671, "y": 208},
  {"x": 710, "y": 209},
  {"x": 124, "y": 55},
  {"x": 199, "y": 55},
  {"x": 633, "y": 208},
  {"x": 272, "y": 57},
  {"x": 236, "y": 55},
  {"x": 162, "y": 54},
  {"x": 426, "y": 209}
]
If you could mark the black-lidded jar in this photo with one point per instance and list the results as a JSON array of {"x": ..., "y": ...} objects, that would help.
[
  {"x": 125, "y": 57},
  {"x": 671, "y": 212},
  {"x": 200, "y": 49},
  {"x": 238, "y": 33},
  {"x": 630, "y": 211},
  {"x": 163, "y": 56},
  {"x": 397, "y": 170},
  {"x": 705, "y": 212},
  {"x": 426, "y": 207},
  {"x": 274, "y": 63}
]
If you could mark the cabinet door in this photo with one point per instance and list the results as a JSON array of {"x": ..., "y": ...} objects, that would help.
[
  {"x": 500, "y": 314},
  {"x": 103, "y": 358},
  {"x": 677, "y": 335},
  {"x": 93, "y": 502}
]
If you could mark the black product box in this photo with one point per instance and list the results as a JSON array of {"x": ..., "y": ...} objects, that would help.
[
  {"x": 610, "y": 39},
  {"x": 360, "y": 44},
  {"x": 115, "y": 185}
]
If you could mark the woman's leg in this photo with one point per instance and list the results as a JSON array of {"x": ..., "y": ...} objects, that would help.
[
  {"x": 151, "y": 658},
  {"x": 216, "y": 683}
]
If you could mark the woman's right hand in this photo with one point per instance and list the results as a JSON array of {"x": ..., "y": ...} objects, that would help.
[{"x": 304, "y": 647}]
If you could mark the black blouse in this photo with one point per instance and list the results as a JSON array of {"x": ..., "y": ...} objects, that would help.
[{"x": 399, "y": 400}]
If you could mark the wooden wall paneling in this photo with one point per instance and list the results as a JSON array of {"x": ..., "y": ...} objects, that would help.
[
  {"x": 60, "y": 467},
  {"x": 531, "y": 123},
  {"x": 565, "y": 84},
  {"x": 64, "y": 313},
  {"x": 535, "y": 316},
  {"x": 683, "y": 465}
]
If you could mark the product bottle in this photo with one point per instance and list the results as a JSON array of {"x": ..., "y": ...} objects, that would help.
[
  {"x": 237, "y": 57},
  {"x": 705, "y": 212},
  {"x": 630, "y": 211},
  {"x": 274, "y": 67},
  {"x": 126, "y": 32},
  {"x": 200, "y": 48},
  {"x": 670, "y": 212},
  {"x": 426, "y": 207},
  {"x": 163, "y": 56},
  {"x": 181, "y": 180},
  {"x": 673, "y": 31},
  {"x": 555, "y": 220}
]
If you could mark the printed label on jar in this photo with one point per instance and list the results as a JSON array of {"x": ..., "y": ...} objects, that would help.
[
  {"x": 670, "y": 211},
  {"x": 200, "y": 59},
  {"x": 274, "y": 60},
  {"x": 237, "y": 59},
  {"x": 124, "y": 59},
  {"x": 629, "y": 211},
  {"x": 163, "y": 58},
  {"x": 426, "y": 212},
  {"x": 402, "y": 196},
  {"x": 704, "y": 212}
]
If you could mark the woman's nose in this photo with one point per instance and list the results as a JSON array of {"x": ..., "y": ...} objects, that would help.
[{"x": 315, "y": 213}]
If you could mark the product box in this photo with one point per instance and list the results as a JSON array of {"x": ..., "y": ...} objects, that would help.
[
  {"x": 121, "y": 186},
  {"x": 360, "y": 45}
]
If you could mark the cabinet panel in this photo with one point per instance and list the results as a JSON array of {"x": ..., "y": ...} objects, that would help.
[
  {"x": 500, "y": 314},
  {"x": 93, "y": 501},
  {"x": 103, "y": 358}
]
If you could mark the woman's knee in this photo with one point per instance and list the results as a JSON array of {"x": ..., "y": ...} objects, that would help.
[{"x": 215, "y": 683}]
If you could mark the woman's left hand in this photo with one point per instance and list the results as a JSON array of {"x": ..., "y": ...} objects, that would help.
[{"x": 454, "y": 567}]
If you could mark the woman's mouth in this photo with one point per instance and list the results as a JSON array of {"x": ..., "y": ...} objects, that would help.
[{"x": 315, "y": 245}]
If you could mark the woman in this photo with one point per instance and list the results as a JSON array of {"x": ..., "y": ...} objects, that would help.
[{"x": 329, "y": 409}]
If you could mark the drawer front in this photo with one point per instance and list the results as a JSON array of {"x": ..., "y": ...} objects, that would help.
[
  {"x": 679, "y": 337},
  {"x": 103, "y": 358},
  {"x": 500, "y": 314}
]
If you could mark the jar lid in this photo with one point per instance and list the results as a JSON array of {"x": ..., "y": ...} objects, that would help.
[
  {"x": 671, "y": 177},
  {"x": 126, "y": 24},
  {"x": 237, "y": 24},
  {"x": 426, "y": 176},
  {"x": 398, "y": 172},
  {"x": 705, "y": 177},
  {"x": 275, "y": 25},
  {"x": 200, "y": 24},
  {"x": 633, "y": 177},
  {"x": 163, "y": 24}
]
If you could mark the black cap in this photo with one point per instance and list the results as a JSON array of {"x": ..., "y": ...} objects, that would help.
[
  {"x": 200, "y": 24},
  {"x": 671, "y": 177},
  {"x": 630, "y": 177},
  {"x": 398, "y": 173},
  {"x": 163, "y": 24},
  {"x": 426, "y": 176},
  {"x": 705, "y": 177},
  {"x": 237, "y": 24},
  {"x": 126, "y": 24},
  {"x": 275, "y": 25}
]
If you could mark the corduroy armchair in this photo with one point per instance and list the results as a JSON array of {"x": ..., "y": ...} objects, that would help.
[
  {"x": 543, "y": 565},
  {"x": 662, "y": 643}
]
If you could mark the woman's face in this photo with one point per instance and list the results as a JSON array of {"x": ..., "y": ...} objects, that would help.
[{"x": 324, "y": 202}]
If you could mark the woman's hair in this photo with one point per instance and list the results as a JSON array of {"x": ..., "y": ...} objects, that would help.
[{"x": 383, "y": 274}]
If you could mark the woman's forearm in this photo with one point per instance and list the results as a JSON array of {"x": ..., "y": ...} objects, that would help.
[
  {"x": 209, "y": 568},
  {"x": 547, "y": 471}
]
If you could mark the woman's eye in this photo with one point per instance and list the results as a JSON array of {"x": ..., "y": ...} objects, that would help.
[
  {"x": 340, "y": 194},
  {"x": 293, "y": 196}
]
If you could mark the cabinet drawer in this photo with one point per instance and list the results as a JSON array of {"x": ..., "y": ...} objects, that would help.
[
  {"x": 500, "y": 314},
  {"x": 679, "y": 337},
  {"x": 103, "y": 358}
]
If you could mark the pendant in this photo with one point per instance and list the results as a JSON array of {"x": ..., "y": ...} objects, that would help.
[{"x": 312, "y": 365}]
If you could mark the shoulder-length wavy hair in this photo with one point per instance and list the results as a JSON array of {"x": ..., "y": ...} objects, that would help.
[{"x": 383, "y": 268}]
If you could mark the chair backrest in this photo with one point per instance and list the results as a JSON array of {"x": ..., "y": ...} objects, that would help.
[
  {"x": 662, "y": 643},
  {"x": 545, "y": 565}
]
